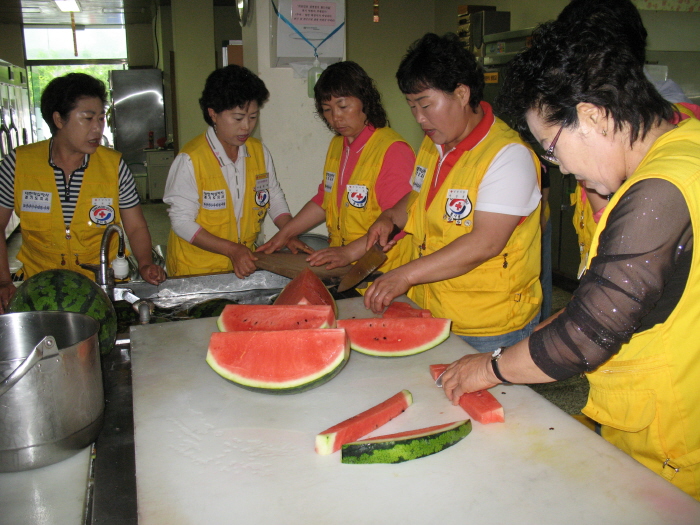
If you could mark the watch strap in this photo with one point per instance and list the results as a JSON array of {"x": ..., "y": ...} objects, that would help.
[{"x": 494, "y": 366}]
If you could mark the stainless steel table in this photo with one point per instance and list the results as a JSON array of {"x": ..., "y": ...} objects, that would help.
[{"x": 209, "y": 452}]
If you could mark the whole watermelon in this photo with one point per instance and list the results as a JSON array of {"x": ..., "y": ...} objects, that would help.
[{"x": 68, "y": 291}]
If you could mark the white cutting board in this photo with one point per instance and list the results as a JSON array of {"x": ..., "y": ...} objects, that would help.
[{"x": 209, "y": 452}]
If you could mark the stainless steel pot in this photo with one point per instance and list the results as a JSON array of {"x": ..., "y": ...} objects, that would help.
[{"x": 51, "y": 394}]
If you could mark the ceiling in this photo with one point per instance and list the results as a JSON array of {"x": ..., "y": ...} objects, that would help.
[{"x": 94, "y": 12}]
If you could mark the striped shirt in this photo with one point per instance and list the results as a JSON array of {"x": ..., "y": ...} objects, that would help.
[{"x": 128, "y": 196}]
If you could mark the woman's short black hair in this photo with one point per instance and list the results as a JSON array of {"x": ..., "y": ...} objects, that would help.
[
  {"x": 585, "y": 61},
  {"x": 441, "y": 62},
  {"x": 348, "y": 79},
  {"x": 231, "y": 87},
  {"x": 63, "y": 93}
]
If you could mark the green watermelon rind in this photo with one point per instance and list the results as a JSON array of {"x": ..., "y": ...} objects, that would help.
[
  {"x": 392, "y": 449},
  {"x": 70, "y": 290},
  {"x": 297, "y": 386},
  {"x": 329, "y": 322},
  {"x": 417, "y": 349}
]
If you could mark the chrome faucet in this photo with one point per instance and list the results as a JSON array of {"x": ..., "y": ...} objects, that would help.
[{"x": 104, "y": 275}]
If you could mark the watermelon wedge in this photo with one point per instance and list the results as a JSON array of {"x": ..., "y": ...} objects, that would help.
[
  {"x": 330, "y": 440},
  {"x": 481, "y": 405},
  {"x": 404, "y": 446},
  {"x": 401, "y": 309},
  {"x": 279, "y": 362},
  {"x": 306, "y": 288},
  {"x": 236, "y": 317},
  {"x": 395, "y": 337}
]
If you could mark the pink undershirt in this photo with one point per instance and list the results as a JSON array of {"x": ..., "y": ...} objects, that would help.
[{"x": 394, "y": 177}]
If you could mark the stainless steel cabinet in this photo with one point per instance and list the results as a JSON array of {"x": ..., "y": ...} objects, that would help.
[{"x": 157, "y": 165}]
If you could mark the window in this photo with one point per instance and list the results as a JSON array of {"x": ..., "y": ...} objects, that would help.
[{"x": 51, "y": 53}]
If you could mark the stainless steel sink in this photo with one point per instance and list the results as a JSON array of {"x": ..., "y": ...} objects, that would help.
[{"x": 184, "y": 292}]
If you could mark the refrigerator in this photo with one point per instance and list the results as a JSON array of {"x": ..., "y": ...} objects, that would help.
[{"x": 137, "y": 114}]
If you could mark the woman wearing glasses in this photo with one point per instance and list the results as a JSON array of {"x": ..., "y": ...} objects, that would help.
[
  {"x": 584, "y": 97},
  {"x": 473, "y": 214}
]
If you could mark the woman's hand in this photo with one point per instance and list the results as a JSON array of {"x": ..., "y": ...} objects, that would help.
[
  {"x": 7, "y": 290},
  {"x": 334, "y": 257},
  {"x": 295, "y": 245},
  {"x": 152, "y": 273},
  {"x": 278, "y": 241},
  {"x": 470, "y": 373},
  {"x": 386, "y": 288},
  {"x": 243, "y": 260},
  {"x": 379, "y": 232}
]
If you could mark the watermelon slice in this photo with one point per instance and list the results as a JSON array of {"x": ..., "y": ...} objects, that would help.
[
  {"x": 395, "y": 337},
  {"x": 404, "y": 446},
  {"x": 279, "y": 362},
  {"x": 401, "y": 309},
  {"x": 330, "y": 440},
  {"x": 306, "y": 288},
  {"x": 481, "y": 405},
  {"x": 237, "y": 317}
]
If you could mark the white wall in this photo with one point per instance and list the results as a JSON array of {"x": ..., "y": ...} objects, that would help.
[{"x": 288, "y": 126}]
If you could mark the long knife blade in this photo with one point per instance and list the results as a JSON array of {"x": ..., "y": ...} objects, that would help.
[{"x": 369, "y": 262}]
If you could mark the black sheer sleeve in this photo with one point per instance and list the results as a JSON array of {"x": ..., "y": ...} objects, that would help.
[{"x": 635, "y": 281}]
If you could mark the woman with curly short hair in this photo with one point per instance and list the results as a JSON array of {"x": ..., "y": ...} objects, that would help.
[
  {"x": 368, "y": 166},
  {"x": 223, "y": 183}
]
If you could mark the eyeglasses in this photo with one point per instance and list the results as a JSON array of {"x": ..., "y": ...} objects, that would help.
[{"x": 549, "y": 154}]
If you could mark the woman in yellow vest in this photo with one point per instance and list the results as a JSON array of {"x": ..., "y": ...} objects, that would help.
[
  {"x": 68, "y": 189},
  {"x": 630, "y": 325},
  {"x": 474, "y": 213},
  {"x": 367, "y": 169},
  {"x": 223, "y": 183}
]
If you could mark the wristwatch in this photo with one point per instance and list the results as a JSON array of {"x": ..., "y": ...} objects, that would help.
[{"x": 497, "y": 354}]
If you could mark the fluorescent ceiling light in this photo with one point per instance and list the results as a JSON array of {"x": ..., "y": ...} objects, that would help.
[
  {"x": 68, "y": 5},
  {"x": 31, "y": 10}
]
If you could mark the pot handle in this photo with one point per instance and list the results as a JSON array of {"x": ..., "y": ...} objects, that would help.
[{"x": 47, "y": 344}]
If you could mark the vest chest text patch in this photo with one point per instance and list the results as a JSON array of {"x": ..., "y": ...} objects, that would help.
[
  {"x": 418, "y": 178},
  {"x": 38, "y": 201},
  {"x": 328, "y": 184},
  {"x": 214, "y": 200}
]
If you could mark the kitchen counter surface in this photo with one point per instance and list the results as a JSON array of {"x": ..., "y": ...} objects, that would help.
[{"x": 208, "y": 451}]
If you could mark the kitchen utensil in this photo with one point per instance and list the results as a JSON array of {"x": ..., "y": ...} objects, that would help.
[
  {"x": 438, "y": 381},
  {"x": 51, "y": 394},
  {"x": 366, "y": 264}
]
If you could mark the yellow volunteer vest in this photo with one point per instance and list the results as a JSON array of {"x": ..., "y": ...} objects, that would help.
[
  {"x": 502, "y": 294},
  {"x": 647, "y": 397},
  {"x": 359, "y": 207},
  {"x": 216, "y": 212},
  {"x": 584, "y": 225},
  {"x": 47, "y": 243}
]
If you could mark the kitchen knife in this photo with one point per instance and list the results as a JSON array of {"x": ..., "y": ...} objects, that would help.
[{"x": 366, "y": 264}]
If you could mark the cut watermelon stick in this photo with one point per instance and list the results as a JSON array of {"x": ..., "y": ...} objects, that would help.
[
  {"x": 481, "y": 405},
  {"x": 405, "y": 446},
  {"x": 332, "y": 439},
  {"x": 395, "y": 337},
  {"x": 238, "y": 317}
]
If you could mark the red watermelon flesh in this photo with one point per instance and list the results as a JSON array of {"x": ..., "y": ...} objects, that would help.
[
  {"x": 481, "y": 405},
  {"x": 279, "y": 362},
  {"x": 306, "y": 288},
  {"x": 401, "y": 309},
  {"x": 436, "y": 370},
  {"x": 350, "y": 430},
  {"x": 237, "y": 317},
  {"x": 395, "y": 337}
]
